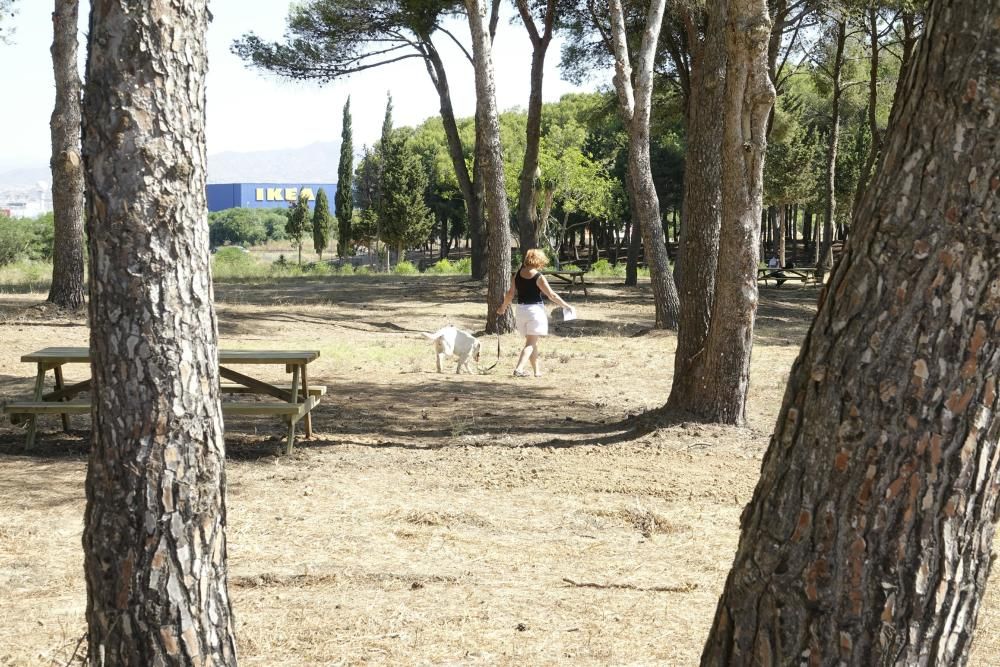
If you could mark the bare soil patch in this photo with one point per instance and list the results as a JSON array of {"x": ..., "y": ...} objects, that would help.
[{"x": 433, "y": 519}]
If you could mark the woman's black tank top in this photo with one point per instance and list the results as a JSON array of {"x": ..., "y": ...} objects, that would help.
[{"x": 527, "y": 289}]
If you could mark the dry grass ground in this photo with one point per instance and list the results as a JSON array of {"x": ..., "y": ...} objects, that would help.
[{"x": 434, "y": 519}]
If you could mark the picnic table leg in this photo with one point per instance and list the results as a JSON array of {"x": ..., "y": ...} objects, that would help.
[
  {"x": 583, "y": 284},
  {"x": 33, "y": 418},
  {"x": 59, "y": 385},
  {"x": 291, "y": 420},
  {"x": 305, "y": 397}
]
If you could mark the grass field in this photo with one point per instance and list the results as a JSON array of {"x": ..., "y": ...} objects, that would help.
[{"x": 433, "y": 519}]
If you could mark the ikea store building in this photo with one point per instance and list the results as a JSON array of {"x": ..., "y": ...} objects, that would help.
[{"x": 265, "y": 195}]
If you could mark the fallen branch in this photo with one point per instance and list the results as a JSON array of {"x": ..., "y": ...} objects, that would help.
[{"x": 683, "y": 588}]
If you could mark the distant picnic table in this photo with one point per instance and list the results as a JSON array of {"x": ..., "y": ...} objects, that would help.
[
  {"x": 571, "y": 278},
  {"x": 294, "y": 403},
  {"x": 804, "y": 274}
]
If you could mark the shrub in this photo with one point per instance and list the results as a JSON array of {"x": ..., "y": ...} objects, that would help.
[
  {"x": 15, "y": 241},
  {"x": 405, "y": 268},
  {"x": 442, "y": 267},
  {"x": 569, "y": 267},
  {"x": 464, "y": 266},
  {"x": 602, "y": 268},
  {"x": 235, "y": 264},
  {"x": 320, "y": 269},
  {"x": 236, "y": 226},
  {"x": 363, "y": 270},
  {"x": 25, "y": 239},
  {"x": 346, "y": 270}
]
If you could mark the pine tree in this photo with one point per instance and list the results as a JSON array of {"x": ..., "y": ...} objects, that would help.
[
  {"x": 321, "y": 223},
  {"x": 298, "y": 224},
  {"x": 343, "y": 200}
]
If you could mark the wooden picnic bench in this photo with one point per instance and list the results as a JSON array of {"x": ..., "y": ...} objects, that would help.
[
  {"x": 804, "y": 275},
  {"x": 571, "y": 278},
  {"x": 294, "y": 403}
]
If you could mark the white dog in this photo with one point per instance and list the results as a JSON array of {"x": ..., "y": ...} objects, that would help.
[{"x": 451, "y": 341}]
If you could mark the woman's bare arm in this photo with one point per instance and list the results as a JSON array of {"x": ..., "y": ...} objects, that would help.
[
  {"x": 507, "y": 298},
  {"x": 543, "y": 285}
]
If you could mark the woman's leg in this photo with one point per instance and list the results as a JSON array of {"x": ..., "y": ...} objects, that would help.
[
  {"x": 534, "y": 357},
  {"x": 527, "y": 353}
]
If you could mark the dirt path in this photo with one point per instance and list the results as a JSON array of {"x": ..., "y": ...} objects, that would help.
[{"x": 434, "y": 518}]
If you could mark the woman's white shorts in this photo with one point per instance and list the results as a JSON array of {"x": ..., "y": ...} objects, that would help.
[{"x": 531, "y": 319}]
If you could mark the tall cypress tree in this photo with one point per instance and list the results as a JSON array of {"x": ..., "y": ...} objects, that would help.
[
  {"x": 343, "y": 201},
  {"x": 383, "y": 149},
  {"x": 321, "y": 223}
]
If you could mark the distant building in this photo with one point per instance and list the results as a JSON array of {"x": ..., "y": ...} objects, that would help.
[
  {"x": 264, "y": 195},
  {"x": 24, "y": 209}
]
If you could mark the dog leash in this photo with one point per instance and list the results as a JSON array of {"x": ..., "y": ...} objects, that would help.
[{"x": 498, "y": 355}]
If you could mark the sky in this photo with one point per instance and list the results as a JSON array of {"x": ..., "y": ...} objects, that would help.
[{"x": 249, "y": 110}]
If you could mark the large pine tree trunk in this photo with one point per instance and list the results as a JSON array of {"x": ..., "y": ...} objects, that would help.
[
  {"x": 491, "y": 165},
  {"x": 67, "y": 288},
  {"x": 155, "y": 530},
  {"x": 868, "y": 538},
  {"x": 829, "y": 217},
  {"x": 749, "y": 96},
  {"x": 698, "y": 250},
  {"x": 635, "y": 108}
]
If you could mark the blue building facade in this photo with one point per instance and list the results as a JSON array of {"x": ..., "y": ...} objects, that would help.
[{"x": 264, "y": 195}]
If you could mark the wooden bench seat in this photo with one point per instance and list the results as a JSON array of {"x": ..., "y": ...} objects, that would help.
[
  {"x": 314, "y": 390},
  {"x": 228, "y": 407},
  {"x": 291, "y": 412},
  {"x": 46, "y": 408}
]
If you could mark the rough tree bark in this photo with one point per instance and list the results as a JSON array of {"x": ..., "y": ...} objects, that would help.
[
  {"x": 635, "y": 104},
  {"x": 833, "y": 143},
  {"x": 155, "y": 529},
  {"x": 67, "y": 288},
  {"x": 749, "y": 95},
  {"x": 527, "y": 204},
  {"x": 868, "y": 538},
  {"x": 698, "y": 250},
  {"x": 491, "y": 165}
]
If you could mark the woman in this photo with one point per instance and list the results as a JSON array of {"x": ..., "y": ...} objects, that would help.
[{"x": 529, "y": 284}]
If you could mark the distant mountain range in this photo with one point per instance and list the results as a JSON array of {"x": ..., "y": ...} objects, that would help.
[{"x": 315, "y": 163}]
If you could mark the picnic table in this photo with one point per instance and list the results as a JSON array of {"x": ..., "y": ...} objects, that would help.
[
  {"x": 294, "y": 403},
  {"x": 571, "y": 278},
  {"x": 803, "y": 275}
]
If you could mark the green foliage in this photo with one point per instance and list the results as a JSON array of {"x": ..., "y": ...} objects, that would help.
[
  {"x": 464, "y": 266},
  {"x": 344, "y": 199},
  {"x": 29, "y": 274},
  {"x": 26, "y": 239},
  {"x": 240, "y": 226},
  {"x": 298, "y": 223},
  {"x": 321, "y": 223},
  {"x": 405, "y": 268},
  {"x": 444, "y": 267},
  {"x": 794, "y": 164},
  {"x": 234, "y": 263},
  {"x": 404, "y": 218},
  {"x": 602, "y": 268},
  {"x": 320, "y": 269}
]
